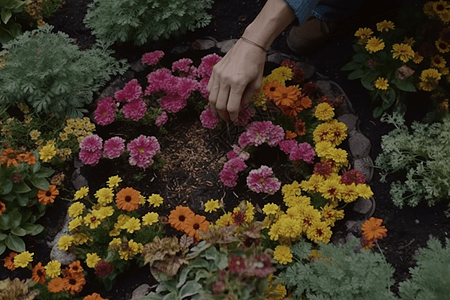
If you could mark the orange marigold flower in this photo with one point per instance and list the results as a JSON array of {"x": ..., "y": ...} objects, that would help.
[
  {"x": 290, "y": 135},
  {"x": 49, "y": 196},
  {"x": 38, "y": 273},
  {"x": 305, "y": 102},
  {"x": 300, "y": 127},
  {"x": 9, "y": 157},
  {"x": 75, "y": 267},
  {"x": 9, "y": 261},
  {"x": 74, "y": 282},
  {"x": 56, "y": 285},
  {"x": 179, "y": 215},
  {"x": 94, "y": 296},
  {"x": 373, "y": 230},
  {"x": 192, "y": 225},
  {"x": 270, "y": 88},
  {"x": 128, "y": 199},
  {"x": 285, "y": 96},
  {"x": 2, "y": 207},
  {"x": 27, "y": 157}
]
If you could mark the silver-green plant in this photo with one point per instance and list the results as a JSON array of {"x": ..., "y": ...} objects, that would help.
[
  {"x": 423, "y": 153},
  {"x": 141, "y": 21},
  {"x": 51, "y": 74}
]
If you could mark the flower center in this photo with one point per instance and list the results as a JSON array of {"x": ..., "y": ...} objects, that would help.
[
  {"x": 127, "y": 198},
  {"x": 48, "y": 193},
  {"x": 181, "y": 218},
  {"x": 196, "y": 226},
  {"x": 141, "y": 150}
]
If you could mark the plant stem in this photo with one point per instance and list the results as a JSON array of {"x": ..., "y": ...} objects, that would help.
[{"x": 385, "y": 261}]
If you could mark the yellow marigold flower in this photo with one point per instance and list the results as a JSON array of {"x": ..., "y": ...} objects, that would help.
[
  {"x": 385, "y": 26},
  {"x": 429, "y": 79},
  {"x": 409, "y": 41},
  {"x": 313, "y": 183},
  {"x": 75, "y": 223},
  {"x": 428, "y": 9},
  {"x": 224, "y": 220},
  {"x": 23, "y": 108},
  {"x": 339, "y": 156},
  {"x": 438, "y": 61},
  {"x": 364, "y": 33},
  {"x": 115, "y": 242},
  {"x": 92, "y": 260},
  {"x": 150, "y": 218},
  {"x": 28, "y": 120},
  {"x": 349, "y": 193},
  {"x": 440, "y": 7},
  {"x": 291, "y": 201},
  {"x": 53, "y": 269},
  {"x": 47, "y": 152},
  {"x": 79, "y": 124},
  {"x": 35, "y": 134},
  {"x": 270, "y": 209},
  {"x": 67, "y": 151},
  {"x": 122, "y": 219},
  {"x": 417, "y": 59},
  {"x": 291, "y": 189},
  {"x": 155, "y": 199},
  {"x": 374, "y": 44},
  {"x": 282, "y": 254},
  {"x": 81, "y": 193},
  {"x": 212, "y": 205},
  {"x": 381, "y": 83},
  {"x": 114, "y": 181},
  {"x": 285, "y": 73},
  {"x": 68, "y": 130},
  {"x": 70, "y": 122},
  {"x": 104, "y": 196},
  {"x": 65, "y": 242},
  {"x": 81, "y": 238},
  {"x": 76, "y": 209},
  {"x": 319, "y": 232},
  {"x": 132, "y": 225},
  {"x": 445, "y": 16},
  {"x": 105, "y": 211},
  {"x": 442, "y": 46},
  {"x": 285, "y": 228},
  {"x": 324, "y": 112},
  {"x": 364, "y": 191},
  {"x": 23, "y": 259},
  {"x": 444, "y": 71},
  {"x": 92, "y": 221},
  {"x": 63, "y": 136},
  {"x": 115, "y": 232},
  {"x": 404, "y": 52},
  {"x": 135, "y": 247},
  {"x": 249, "y": 212},
  {"x": 309, "y": 216},
  {"x": 330, "y": 215}
]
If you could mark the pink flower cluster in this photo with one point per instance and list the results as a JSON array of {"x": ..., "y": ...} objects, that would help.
[
  {"x": 91, "y": 150},
  {"x": 229, "y": 174},
  {"x": 209, "y": 119},
  {"x": 262, "y": 181},
  {"x": 298, "y": 151},
  {"x": 105, "y": 111},
  {"x": 152, "y": 58},
  {"x": 258, "y": 133},
  {"x": 142, "y": 149}
]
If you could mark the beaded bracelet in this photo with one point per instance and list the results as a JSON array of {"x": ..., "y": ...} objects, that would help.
[{"x": 253, "y": 43}]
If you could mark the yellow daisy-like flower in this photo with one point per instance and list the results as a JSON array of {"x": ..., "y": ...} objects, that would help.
[
  {"x": 285, "y": 73},
  {"x": 270, "y": 209},
  {"x": 438, "y": 61},
  {"x": 381, "y": 83},
  {"x": 364, "y": 33},
  {"x": 35, "y": 134},
  {"x": 105, "y": 211},
  {"x": 429, "y": 79},
  {"x": 324, "y": 112},
  {"x": 330, "y": 215},
  {"x": 364, "y": 191},
  {"x": 104, "y": 196},
  {"x": 150, "y": 218},
  {"x": 65, "y": 242},
  {"x": 385, "y": 26},
  {"x": 282, "y": 254},
  {"x": 349, "y": 193},
  {"x": 81, "y": 193},
  {"x": 319, "y": 232},
  {"x": 444, "y": 71},
  {"x": 224, "y": 220},
  {"x": 292, "y": 189},
  {"x": 445, "y": 16},
  {"x": 81, "y": 238},
  {"x": 28, "y": 120},
  {"x": 428, "y": 9},
  {"x": 115, "y": 242},
  {"x": 53, "y": 269},
  {"x": 313, "y": 183},
  {"x": 291, "y": 201},
  {"x": 212, "y": 205},
  {"x": 114, "y": 181},
  {"x": 132, "y": 225},
  {"x": 440, "y": 7},
  {"x": 76, "y": 209},
  {"x": 285, "y": 228},
  {"x": 417, "y": 59},
  {"x": 92, "y": 221},
  {"x": 47, "y": 152},
  {"x": 409, "y": 41},
  {"x": 404, "y": 52},
  {"x": 309, "y": 215},
  {"x": 75, "y": 223},
  {"x": 63, "y": 136},
  {"x": 92, "y": 260},
  {"x": 23, "y": 259},
  {"x": 155, "y": 199},
  {"x": 374, "y": 44},
  {"x": 249, "y": 211},
  {"x": 331, "y": 189}
]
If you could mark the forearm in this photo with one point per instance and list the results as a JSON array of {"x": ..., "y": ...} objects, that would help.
[{"x": 275, "y": 16}]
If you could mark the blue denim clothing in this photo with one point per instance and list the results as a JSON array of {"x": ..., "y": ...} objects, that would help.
[{"x": 326, "y": 10}]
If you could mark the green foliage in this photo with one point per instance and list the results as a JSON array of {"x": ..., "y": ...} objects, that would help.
[
  {"x": 19, "y": 187},
  {"x": 9, "y": 27},
  {"x": 431, "y": 278},
  {"x": 423, "y": 153},
  {"x": 48, "y": 72},
  {"x": 141, "y": 21},
  {"x": 340, "y": 273}
]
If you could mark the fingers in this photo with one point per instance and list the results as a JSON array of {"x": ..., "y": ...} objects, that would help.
[
  {"x": 222, "y": 102},
  {"x": 234, "y": 101}
]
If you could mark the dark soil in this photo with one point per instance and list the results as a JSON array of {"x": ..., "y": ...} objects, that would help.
[{"x": 190, "y": 176}]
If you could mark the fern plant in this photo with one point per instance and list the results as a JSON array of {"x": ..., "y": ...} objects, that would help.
[
  {"x": 423, "y": 153},
  {"x": 49, "y": 73},
  {"x": 141, "y": 21}
]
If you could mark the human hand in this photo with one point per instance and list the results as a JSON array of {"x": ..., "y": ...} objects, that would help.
[{"x": 235, "y": 79}]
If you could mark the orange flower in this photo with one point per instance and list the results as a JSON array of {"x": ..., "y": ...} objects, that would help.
[
  {"x": 9, "y": 261},
  {"x": 2, "y": 207},
  {"x": 49, "y": 196},
  {"x": 10, "y": 157},
  {"x": 305, "y": 102},
  {"x": 128, "y": 199},
  {"x": 270, "y": 88},
  {"x": 94, "y": 296},
  {"x": 74, "y": 282},
  {"x": 56, "y": 285},
  {"x": 372, "y": 229},
  {"x": 75, "y": 267},
  {"x": 38, "y": 273},
  {"x": 300, "y": 127},
  {"x": 285, "y": 96},
  {"x": 290, "y": 135},
  {"x": 179, "y": 215},
  {"x": 27, "y": 157},
  {"x": 192, "y": 225}
]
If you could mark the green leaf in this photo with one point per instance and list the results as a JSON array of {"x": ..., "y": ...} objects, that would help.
[
  {"x": 191, "y": 287},
  {"x": 40, "y": 183},
  {"x": 44, "y": 172},
  {"x": 2, "y": 236},
  {"x": 2, "y": 248},
  {"x": 356, "y": 74},
  {"x": 404, "y": 85},
  {"x": 33, "y": 229},
  {"x": 361, "y": 57},
  {"x": 37, "y": 165},
  {"x": 19, "y": 231},
  {"x": 377, "y": 111},
  {"x": 7, "y": 186},
  {"x": 4, "y": 222},
  {"x": 15, "y": 243},
  {"x": 21, "y": 188},
  {"x": 6, "y": 15},
  {"x": 352, "y": 65},
  {"x": 367, "y": 80},
  {"x": 22, "y": 200},
  {"x": 15, "y": 218}
]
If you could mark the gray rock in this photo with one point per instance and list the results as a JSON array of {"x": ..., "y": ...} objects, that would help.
[
  {"x": 365, "y": 166},
  {"x": 307, "y": 68},
  {"x": 325, "y": 87},
  {"x": 140, "y": 292},
  {"x": 180, "y": 49},
  {"x": 77, "y": 163},
  {"x": 359, "y": 145},
  {"x": 206, "y": 44},
  {"x": 276, "y": 58},
  {"x": 65, "y": 258},
  {"x": 353, "y": 226},
  {"x": 225, "y": 46},
  {"x": 350, "y": 120},
  {"x": 78, "y": 180},
  {"x": 138, "y": 66},
  {"x": 363, "y": 206}
]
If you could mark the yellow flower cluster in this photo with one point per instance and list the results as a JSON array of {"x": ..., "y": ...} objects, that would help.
[
  {"x": 438, "y": 10},
  {"x": 280, "y": 75},
  {"x": 127, "y": 249}
]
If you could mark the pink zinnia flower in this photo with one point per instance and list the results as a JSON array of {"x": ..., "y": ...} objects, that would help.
[
  {"x": 90, "y": 157},
  {"x": 152, "y": 58},
  {"x": 184, "y": 87},
  {"x": 202, "y": 87},
  {"x": 228, "y": 177},
  {"x": 303, "y": 151},
  {"x": 132, "y": 91},
  {"x": 276, "y": 135},
  {"x": 161, "y": 119},
  {"x": 209, "y": 119},
  {"x": 238, "y": 152},
  {"x": 244, "y": 116},
  {"x": 183, "y": 66},
  {"x": 135, "y": 110},
  {"x": 236, "y": 165},
  {"x": 262, "y": 180},
  {"x": 287, "y": 145},
  {"x": 114, "y": 147},
  {"x": 172, "y": 103},
  {"x": 207, "y": 64},
  {"x": 105, "y": 111},
  {"x": 158, "y": 80},
  {"x": 142, "y": 149},
  {"x": 92, "y": 143}
]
